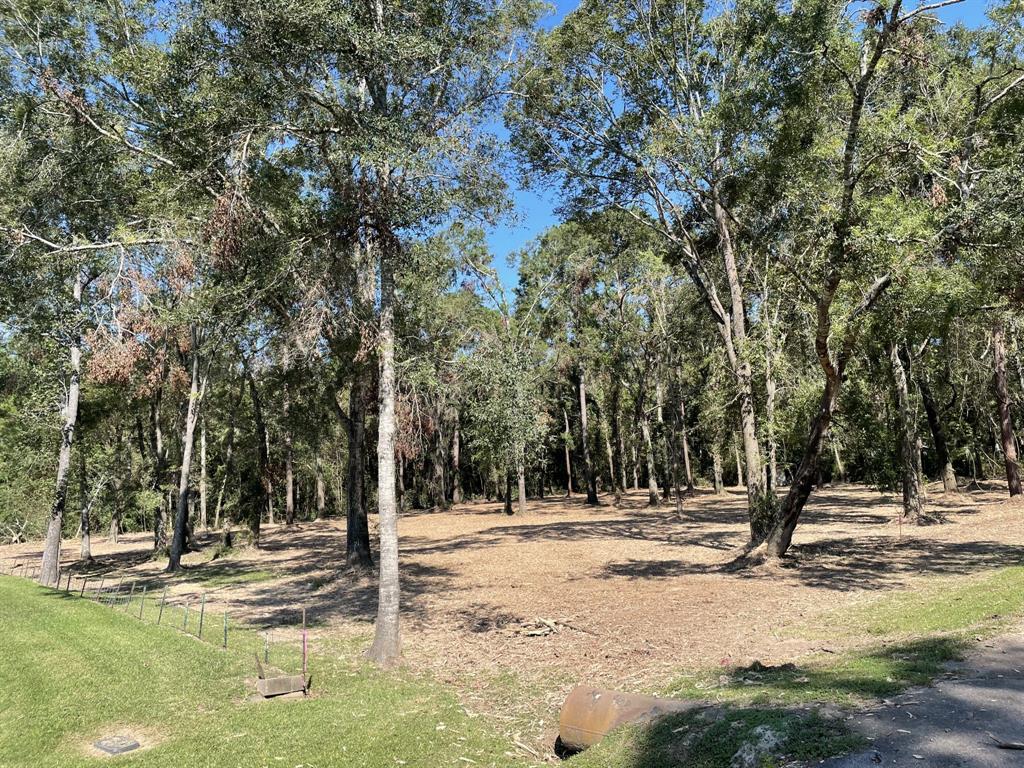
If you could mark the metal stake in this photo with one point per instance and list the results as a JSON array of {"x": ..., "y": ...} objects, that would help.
[
  {"x": 303, "y": 646},
  {"x": 130, "y": 596},
  {"x": 163, "y": 600},
  {"x": 142, "y": 601},
  {"x": 85, "y": 580},
  {"x": 202, "y": 611},
  {"x": 184, "y": 624}
]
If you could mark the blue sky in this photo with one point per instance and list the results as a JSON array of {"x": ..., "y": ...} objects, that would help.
[{"x": 535, "y": 208}]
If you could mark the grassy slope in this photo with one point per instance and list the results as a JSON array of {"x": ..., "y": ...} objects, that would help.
[
  {"x": 914, "y": 634},
  {"x": 73, "y": 670}
]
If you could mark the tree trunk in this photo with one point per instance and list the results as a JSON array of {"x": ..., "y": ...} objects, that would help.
[
  {"x": 289, "y": 461},
  {"x": 85, "y": 551},
  {"x": 800, "y": 488},
  {"x": 229, "y": 454},
  {"x": 203, "y": 523},
  {"x": 386, "y": 647},
  {"x": 195, "y": 394},
  {"x": 761, "y": 505},
  {"x": 686, "y": 445},
  {"x": 1009, "y": 444},
  {"x": 716, "y": 460},
  {"x": 159, "y": 448},
  {"x": 653, "y": 498},
  {"x": 357, "y": 528},
  {"x": 912, "y": 507},
  {"x": 636, "y": 466},
  {"x": 49, "y": 569},
  {"x": 262, "y": 461},
  {"x": 617, "y": 438},
  {"x": 772, "y": 474},
  {"x": 938, "y": 431},
  {"x": 507, "y": 498},
  {"x": 123, "y": 459},
  {"x": 840, "y": 469},
  {"x": 270, "y": 477},
  {"x": 613, "y": 475},
  {"x": 321, "y": 489},
  {"x": 588, "y": 466},
  {"x": 739, "y": 466},
  {"x": 521, "y": 481},
  {"x": 568, "y": 456},
  {"x": 456, "y": 468}
]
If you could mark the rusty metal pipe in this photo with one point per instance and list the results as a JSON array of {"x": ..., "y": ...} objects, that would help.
[{"x": 588, "y": 714}]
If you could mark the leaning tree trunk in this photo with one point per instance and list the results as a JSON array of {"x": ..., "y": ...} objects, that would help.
[
  {"x": 50, "y": 567},
  {"x": 803, "y": 479},
  {"x": 909, "y": 457},
  {"x": 936, "y": 427},
  {"x": 588, "y": 465},
  {"x": 716, "y": 469},
  {"x": 195, "y": 393},
  {"x": 1009, "y": 444},
  {"x": 386, "y": 647},
  {"x": 653, "y": 498}
]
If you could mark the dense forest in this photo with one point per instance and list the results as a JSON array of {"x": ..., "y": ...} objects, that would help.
[{"x": 246, "y": 277}]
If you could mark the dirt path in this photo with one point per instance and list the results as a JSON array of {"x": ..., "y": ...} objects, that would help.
[{"x": 951, "y": 724}]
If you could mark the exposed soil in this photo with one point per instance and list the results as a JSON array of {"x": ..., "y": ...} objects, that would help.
[{"x": 514, "y": 611}]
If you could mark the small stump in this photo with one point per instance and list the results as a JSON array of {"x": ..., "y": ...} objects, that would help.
[{"x": 116, "y": 745}]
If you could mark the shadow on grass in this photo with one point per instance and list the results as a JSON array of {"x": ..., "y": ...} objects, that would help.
[{"x": 771, "y": 715}]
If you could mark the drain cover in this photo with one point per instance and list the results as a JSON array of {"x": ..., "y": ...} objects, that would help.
[{"x": 116, "y": 745}]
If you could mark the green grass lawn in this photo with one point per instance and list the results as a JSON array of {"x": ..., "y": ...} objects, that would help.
[{"x": 74, "y": 670}]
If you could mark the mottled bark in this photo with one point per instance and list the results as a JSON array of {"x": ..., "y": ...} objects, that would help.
[
  {"x": 49, "y": 569},
  {"x": 938, "y": 431},
  {"x": 386, "y": 648},
  {"x": 456, "y": 467},
  {"x": 653, "y": 498},
  {"x": 909, "y": 457},
  {"x": 588, "y": 465},
  {"x": 181, "y": 522},
  {"x": 203, "y": 522},
  {"x": 1006, "y": 436},
  {"x": 85, "y": 549},
  {"x": 568, "y": 456}
]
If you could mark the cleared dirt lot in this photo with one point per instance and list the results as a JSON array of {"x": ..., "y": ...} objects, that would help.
[{"x": 513, "y": 611}]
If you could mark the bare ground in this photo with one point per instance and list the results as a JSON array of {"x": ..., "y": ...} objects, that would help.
[{"x": 514, "y": 611}]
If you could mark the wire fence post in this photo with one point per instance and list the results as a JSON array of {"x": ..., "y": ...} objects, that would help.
[
  {"x": 163, "y": 601},
  {"x": 202, "y": 612},
  {"x": 99, "y": 589},
  {"x": 303, "y": 646},
  {"x": 131, "y": 596},
  {"x": 184, "y": 624},
  {"x": 266, "y": 647},
  {"x": 142, "y": 601},
  {"x": 85, "y": 580}
]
